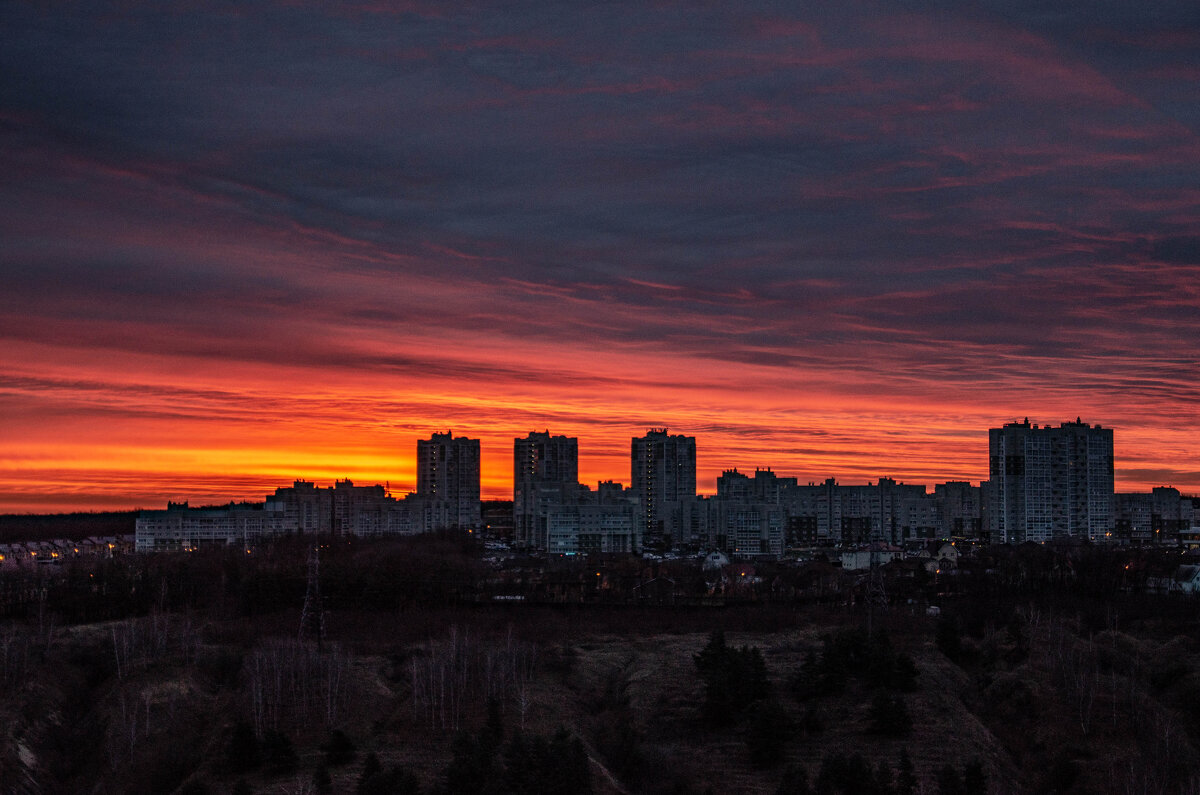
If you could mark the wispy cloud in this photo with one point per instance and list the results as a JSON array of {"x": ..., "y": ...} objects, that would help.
[{"x": 249, "y": 243}]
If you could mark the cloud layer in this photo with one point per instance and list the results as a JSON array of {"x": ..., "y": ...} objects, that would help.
[{"x": 241, "y": 245}]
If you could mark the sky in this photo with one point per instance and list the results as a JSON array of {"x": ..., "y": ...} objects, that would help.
[{"x": 243, "y": 243}]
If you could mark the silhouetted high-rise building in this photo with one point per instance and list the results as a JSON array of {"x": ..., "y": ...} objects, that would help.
[
  {"x": 448, "y": 479},
  {"x": 1050, "y": 482},
  {"x": 734, "y": 485},
  {"x": 545, "y": 471},
  {"x": 959, "y": 509},
  {"x": 663, "y": 471}
]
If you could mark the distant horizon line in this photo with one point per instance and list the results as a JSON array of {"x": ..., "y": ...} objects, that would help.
[{"x": 482, "y": 499}]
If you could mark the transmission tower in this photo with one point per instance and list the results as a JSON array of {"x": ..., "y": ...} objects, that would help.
[{"x": 312, "y": 617}]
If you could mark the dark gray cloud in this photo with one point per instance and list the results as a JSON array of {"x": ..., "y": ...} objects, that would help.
[{"x": 924, "y": 198}]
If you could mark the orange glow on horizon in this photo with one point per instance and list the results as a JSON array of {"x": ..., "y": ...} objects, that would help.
[{"x": 94, "y": 442}]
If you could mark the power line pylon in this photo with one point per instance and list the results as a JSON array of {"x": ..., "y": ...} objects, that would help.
[{"x": 312, "y": 616}]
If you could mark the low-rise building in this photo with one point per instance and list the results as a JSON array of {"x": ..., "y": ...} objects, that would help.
[{"x": 302, "y": 508}]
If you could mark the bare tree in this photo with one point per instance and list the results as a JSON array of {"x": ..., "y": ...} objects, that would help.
[
  {"x": 457, "y": 675},
  {"x": 160, "y": 636},
  {"x": 14, "y": 658},
  {"x": 287, "y": 680}
]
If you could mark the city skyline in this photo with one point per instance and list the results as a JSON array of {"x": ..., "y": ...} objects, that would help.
[
  {"x": 241, "y": 245},
  {"x": 519, "y": 448},
  {"x": 1047, "y": 482}
]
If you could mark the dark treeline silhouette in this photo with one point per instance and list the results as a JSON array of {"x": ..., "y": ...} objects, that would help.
[
  {"x": 15, "y": 527},
  {"x": 150, "y": 673}
]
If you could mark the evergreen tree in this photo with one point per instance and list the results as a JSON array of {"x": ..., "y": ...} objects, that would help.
[
  {"x": 277, "y": 752},
  {"x": 494, "y": 725},
  {"x": 243, "y": 753},
  {"x": 906, "y": 776},
  {"x": 768, "y": 734},
  {"x": 376, "y": 781},
  {"x": 853, "y": 653},
  {"x": 974, "y": 778},
  {"x": 948, "y": 636},
  {"x": 884, "y": 779},
  {"x": 371, "y": 767},
  {"x": 889, "y": 716},
  {"x": 522, "y": 760},
  {"x": 712, "y": 655},
  {"x": 621, "y": 745},
  {"x": 811, "y": 721},
  {"x": 339, "y": 749},
  {"x": 809, "y": 681},
  {"x": 901, "y": 673},
  {"x": 472, "y": 769},
  {"x": 949, "y": 781},
  {"x": 540, "y": 766},
  {"x": 321, "y": 781},
  {"x": 734, "y": 679},
  {"x": 794, "y": 781},
  {"x": 845, "y": 775},
  {"x": 568, "y": 770}
]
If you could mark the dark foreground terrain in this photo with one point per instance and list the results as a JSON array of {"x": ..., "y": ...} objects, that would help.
[{"x": 206, "y": 673}]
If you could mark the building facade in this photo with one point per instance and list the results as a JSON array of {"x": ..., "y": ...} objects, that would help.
[
  {"x": 1050, "y": 482},
  {"x": 545, "y": 472},
  {"x": 581, "y": 528},
  {"x": 662, "y": 472},
  {"x": 302, "y": 508},
  {"x": 883, "y": 511},
  {"x": 448, "y": 479},
  {"x": 959, "y": 509},
  {"x": 1161, "y": 517}
]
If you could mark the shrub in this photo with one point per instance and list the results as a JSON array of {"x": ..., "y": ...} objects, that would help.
[
  {"x": 376, "y": 781},
  {"x": 794, "y": 782},
  {"x": 734, "y": 679},
  {"x": 768, "y": 734},
  {"x": 889, "y": 716},
  {"x": 845, "y": 775},
  {"x": 242, "y": 754},
  {"x": 321, "y": 781},
  {"x": 853, "y": 653},
  {"x": 278, "y": 755},
  {"x": 339, "y": 749}
]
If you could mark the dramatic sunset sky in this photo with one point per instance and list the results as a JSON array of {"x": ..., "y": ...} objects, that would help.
[{"x": 242, "y": 243}]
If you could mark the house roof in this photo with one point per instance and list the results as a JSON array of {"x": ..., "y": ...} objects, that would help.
[{"x": 1186, "y": 573}]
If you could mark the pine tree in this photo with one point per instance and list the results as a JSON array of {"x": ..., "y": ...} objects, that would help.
[
  {"x": 768, "y": 733},
  {"x": 243, "y": 753},
  {"x": 974, "y": 778},
  {"x": 321, "y": 781},
  {"x": 889, "y": 716},
  {"x": 906, "y": 777},
  {"x": 339, "y": 749},
  {"x": 949, "y": 781},
  {"x": 794, "y": 781}
]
